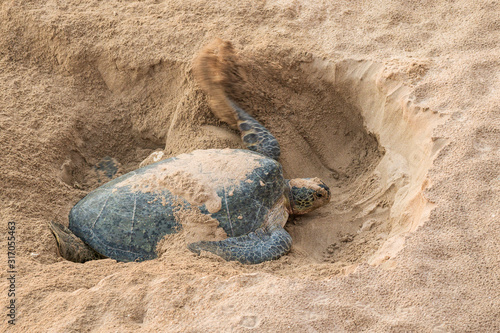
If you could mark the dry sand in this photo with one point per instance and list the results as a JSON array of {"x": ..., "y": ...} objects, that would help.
[{"x": 394, "y": 104}]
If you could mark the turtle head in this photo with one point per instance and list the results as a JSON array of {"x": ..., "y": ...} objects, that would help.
[{"x": 307, "y": 194}]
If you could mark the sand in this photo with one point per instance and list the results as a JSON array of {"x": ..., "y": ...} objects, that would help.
[
  {"x": 394, "y": 104},
  {"x": 196, "y": 176}
]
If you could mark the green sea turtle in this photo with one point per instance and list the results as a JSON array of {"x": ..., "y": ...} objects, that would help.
[{"x": 243, "y": 190}]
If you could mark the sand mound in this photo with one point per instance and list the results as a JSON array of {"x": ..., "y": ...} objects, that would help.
[{"x": 394, "y": 105}]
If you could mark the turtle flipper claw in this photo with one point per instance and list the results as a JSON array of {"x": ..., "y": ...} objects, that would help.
[{"x": 261, "y": 245}]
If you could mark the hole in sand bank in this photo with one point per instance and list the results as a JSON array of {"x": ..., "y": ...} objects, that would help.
[
  {"x": 357, "y": 129},
  {"x": 347, "y": 123}
]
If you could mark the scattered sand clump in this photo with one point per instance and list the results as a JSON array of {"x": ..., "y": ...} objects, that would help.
[{"x": 196, "y": 176}]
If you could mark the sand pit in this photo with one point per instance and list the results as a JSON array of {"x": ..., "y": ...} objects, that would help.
[
  {"x": 394, "y": 105},
  {"x": 377, "y": 153},
  {"x": 348, "y": 123}
]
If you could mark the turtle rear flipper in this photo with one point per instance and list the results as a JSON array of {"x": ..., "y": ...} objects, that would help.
[
  {"x": 71, "y": 247},
  {"x": 267, "y": 243},
  {"x": 106, "y": 169},
  {"x": 255, "y": 136}
]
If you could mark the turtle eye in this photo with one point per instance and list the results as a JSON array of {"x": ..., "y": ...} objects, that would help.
[{"x": 319, "y": 195}]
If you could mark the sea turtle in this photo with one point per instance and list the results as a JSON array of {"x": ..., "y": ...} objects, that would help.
[{"x": 244, "y": 190}]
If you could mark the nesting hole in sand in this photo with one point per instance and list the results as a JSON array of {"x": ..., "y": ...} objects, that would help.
[
  {"x": 353, "y": 126},
  {"x": 348, "y": 123},
  {"x": 357, "y": 128}
]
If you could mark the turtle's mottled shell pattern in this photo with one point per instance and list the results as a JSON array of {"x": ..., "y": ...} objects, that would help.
[{"x": 125, "y": 224}]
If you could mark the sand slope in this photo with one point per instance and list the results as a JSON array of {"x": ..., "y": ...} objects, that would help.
[{"x": 394, "y": 103}]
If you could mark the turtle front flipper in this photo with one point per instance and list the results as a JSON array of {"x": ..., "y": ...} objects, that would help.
[
  {"x": 266, "y": 243},
  {"x": 71, "y": 247},
  {"x": 255, "y": 136}
]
